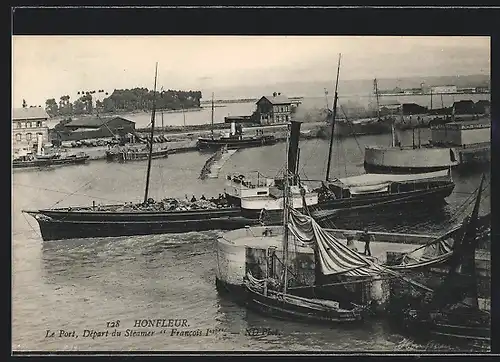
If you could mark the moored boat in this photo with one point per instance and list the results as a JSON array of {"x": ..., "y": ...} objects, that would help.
[
  {"x": 135, "y": 219},
  {"x": 233, "y": 142},
  {"x": 451, "y": 310},
  {"x": 453, "y": 145},
  {"x": 56, "y": 159},
  {"x": 133, "y": 153}
]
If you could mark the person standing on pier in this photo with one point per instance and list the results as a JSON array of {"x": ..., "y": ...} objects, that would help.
[{"x": 366, "y": 238}]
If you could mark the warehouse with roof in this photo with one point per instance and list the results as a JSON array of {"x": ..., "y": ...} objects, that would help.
[{"x": 92, "y": 128}]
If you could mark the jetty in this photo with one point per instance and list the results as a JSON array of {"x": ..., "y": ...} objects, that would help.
[{"x": 215, "y": 162}]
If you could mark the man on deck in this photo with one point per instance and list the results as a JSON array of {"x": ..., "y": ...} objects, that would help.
[{"x": 366, "y": 238}]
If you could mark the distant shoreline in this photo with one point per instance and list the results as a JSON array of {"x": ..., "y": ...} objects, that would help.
[{"x": 244, "y": 100}]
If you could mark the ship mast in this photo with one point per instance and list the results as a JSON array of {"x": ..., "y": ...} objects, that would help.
[
  {"x": 153, "y": 114},
  {"x": 162, "y": 127},
  {"x": 375, "y": 89},
  {"x": 286, "y": 214},
  {"x": 212, "y": 122},
  {"x": 334, "y": 115},
  {"x": 393, "y": 133}
]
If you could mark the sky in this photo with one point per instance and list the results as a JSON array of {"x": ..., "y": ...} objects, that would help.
[{"x": 51, "y": 66}]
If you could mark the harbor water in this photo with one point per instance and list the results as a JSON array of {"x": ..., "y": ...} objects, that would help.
[{"x": 90, "y": 284}]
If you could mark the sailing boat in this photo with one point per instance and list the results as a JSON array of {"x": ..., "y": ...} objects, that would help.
[
  {"x": 235, "y": 139},
  {"x": 149, "y": 217},
  {"x": 453, "y": 309},
  {"x": 364, "y": 126},
  {"x": 275, "y": 296}
]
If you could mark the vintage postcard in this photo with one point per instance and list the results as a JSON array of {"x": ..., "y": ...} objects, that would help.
[{"x": 210, "y": 193}]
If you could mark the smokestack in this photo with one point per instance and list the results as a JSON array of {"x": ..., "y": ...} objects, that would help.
[
  {"x": 293, "y": 147},
  {"x": 274, "y": 94},
  {"x": 233, "y": 129}
]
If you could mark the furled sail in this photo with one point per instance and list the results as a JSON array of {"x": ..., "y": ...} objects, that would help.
[
  {"x": 370, "y": 179},
  {"x": 437, "y": 251},
  {"x": 371, "y": 188},
  {"x": 334, "y": 256}
]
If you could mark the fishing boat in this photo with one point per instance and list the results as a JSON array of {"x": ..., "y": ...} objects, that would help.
[
  {"x": 40, "y": 160},
  {"x": 450, "y": 311},
  {"x": 234, "y": 140},
  {"x": 355, "y": 192},
  {"x": 135, "y": 153},
  {"x": 149, "y": 217}
]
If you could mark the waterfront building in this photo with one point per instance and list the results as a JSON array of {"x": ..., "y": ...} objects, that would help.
[
  {"x": 29, "y": 130},
  {"x": 444, "y": 89},
  {"x": 483, "y": 89},
  {"x": 462, "y": 134},
  {"x": 466, "y": 90},
  {"x": 274, "y": 109},
  {"x": 92, "y": 128},
  {"x": 464, "y": 107}
]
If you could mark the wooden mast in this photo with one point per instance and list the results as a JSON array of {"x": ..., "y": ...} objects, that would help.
[
  {"x": 212, "y": 121},
  {"x": 162, "y": 126},
  {"x": 285, "y": 215},
  {"x": 153, "y": 114},
  {"x": 335, "y": 98},
  {"x": 375, "y": 88}
]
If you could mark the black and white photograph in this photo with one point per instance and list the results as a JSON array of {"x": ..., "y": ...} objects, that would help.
[{"x": 253, "y": 193}]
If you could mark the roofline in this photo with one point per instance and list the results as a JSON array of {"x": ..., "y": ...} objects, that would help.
[
  {"x": 20, "y": 119},
  {"x": 277, "y": 103}
]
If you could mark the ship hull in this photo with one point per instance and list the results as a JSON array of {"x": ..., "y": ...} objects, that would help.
[
  {"x": 134, "y": 156},
  {"x": 60, "y": 229},
  {"x": 446, "y": 331},
  {"x": 66, "y": 224},
  {"x": 358, "y": 129},
  {"x": 51, "y": 162},
  {"x": 431, "y": 196},
  {"x": 384, "y": 169},
  {"x": 233, "y": 144},
  {"x": 291, "y": 308},
  {"x": 409, "y": 160}
]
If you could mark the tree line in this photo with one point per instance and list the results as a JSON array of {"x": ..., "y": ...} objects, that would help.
[{"x": 122, "y": 100}]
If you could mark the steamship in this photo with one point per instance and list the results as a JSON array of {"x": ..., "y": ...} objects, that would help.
[
  {"x": 234, "y": 140},
  {"x": 41, "y": 160}
]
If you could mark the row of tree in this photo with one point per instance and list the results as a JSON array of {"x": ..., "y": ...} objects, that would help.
[{"x": 123, "y": 100}]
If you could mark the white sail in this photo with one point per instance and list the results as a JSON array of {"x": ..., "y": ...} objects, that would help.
[
  {"x": 370, "y": 179},
  {"x": 334, "y": 256}
]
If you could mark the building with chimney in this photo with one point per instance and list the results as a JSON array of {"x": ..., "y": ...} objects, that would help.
[
  {"x": 29, "y": 130},
  {"x": 274, "y": 109}
]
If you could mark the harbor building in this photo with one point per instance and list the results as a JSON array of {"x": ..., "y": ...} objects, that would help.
[
  {"x": 93, "y": 128},
  {"x": 274, "y": 109},
  {"x": 444, "y": 89},
  {"x": 29, "y": 130},
  {"x": 238, "y": 119},
  {"x": 462, "y": 134}
]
